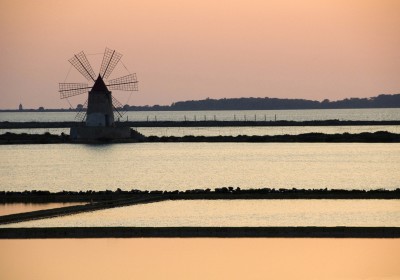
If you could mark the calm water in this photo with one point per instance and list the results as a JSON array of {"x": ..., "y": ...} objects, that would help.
[
  {"x": 252, "y": 130},
  {"x": 267, "y": 115},
  {"x": 240, "y": 213},
  {"x": 230, "y": 131},
  {"x": 13, "y": 208},
  {"x": 171, "y": 166}
]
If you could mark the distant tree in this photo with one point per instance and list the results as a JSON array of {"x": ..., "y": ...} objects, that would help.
[{"x": 267, "y": 103}]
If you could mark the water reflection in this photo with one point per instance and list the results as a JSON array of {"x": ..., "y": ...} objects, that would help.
[
  {"x": 13, "y": 208},
  {"x": 171, "y": 166},
  {"x": 241, "y": 213},
  {"x": 225, "y": 115},
  {"x": 252, "y": 130},
  {"x": 229, "y": 131}
]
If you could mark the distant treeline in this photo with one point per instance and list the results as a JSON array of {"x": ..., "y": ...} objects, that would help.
[
  {"x": 381, "y": 101},
  {"x": 253, "y": 103}
]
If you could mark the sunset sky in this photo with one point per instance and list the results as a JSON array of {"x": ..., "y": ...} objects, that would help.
[{"x": 189, "y": 50}]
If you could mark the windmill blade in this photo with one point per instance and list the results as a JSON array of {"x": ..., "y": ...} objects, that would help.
[
  {"x": 71, "y": 89},
  {"x": 127, "y": 83},
  {"x": 81, "y": 115},
  {"x": 118, "y": 114},
  {"x": 80, "y": 62},
  {"x": 118, "y": 108},
  {"x": 110, "y": 60}
]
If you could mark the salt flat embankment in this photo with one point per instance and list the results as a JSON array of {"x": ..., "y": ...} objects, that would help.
[
  {"x": 218, "y": 193},
  {"x": 364, "y": 137},
  {"x": 203, "y": 232},
  {"x": 119, "y": 198},
  {"x": 68, "y": 210},
  {"x": 109, "y": 199}
]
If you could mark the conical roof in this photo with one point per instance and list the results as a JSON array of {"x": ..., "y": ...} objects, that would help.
[{"x": 99, "y": 85}]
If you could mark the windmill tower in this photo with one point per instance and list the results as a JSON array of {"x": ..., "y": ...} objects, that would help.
[{"x": 102, "y": 107}]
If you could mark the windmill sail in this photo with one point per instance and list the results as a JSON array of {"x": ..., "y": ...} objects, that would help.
[
  {"x": 110, "y": 60},
  {"x": 81, "y": 115},
  {"x": 118, "y": 108},
  {"x": 71, "y": 89},
  {"x": 126, "y": 83},
  {"x": 101, "y": 108},
  {"x": 80, "y": 62}
]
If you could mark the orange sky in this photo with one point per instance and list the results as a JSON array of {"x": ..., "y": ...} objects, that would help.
[{"x": 183, "y": 50}]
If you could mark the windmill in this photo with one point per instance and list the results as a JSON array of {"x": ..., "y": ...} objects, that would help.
[{"x": 102, "y": 107}]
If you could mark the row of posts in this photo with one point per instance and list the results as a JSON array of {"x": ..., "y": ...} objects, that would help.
[{"x": 215, "y": 118}]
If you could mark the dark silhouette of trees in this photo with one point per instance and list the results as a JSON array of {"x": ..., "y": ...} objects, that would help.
[{"x": 252, "y": 103}]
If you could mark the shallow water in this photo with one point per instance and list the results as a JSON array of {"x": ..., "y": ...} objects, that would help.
[
  {"x": 239, "y": 115},
  {"x": 171, "y": 166},
  {"x": 13, "y": 208},
  {"x": 252, "y": 130},
  {"x": 229, "y": 131},
  {"x": 240, "y": 213}
]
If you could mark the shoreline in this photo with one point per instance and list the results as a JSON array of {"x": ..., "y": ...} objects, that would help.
[
  {"x": 200, "y": 232},
  {"x": 108, "y": 199},
  {"x": 364, "y": 137},
  {"x": 196, "y": 194}
]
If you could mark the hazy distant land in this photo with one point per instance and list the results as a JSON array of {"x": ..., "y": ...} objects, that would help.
[
  {"x": 381, "y": 101},
  {"x": 253, "y": 103}
]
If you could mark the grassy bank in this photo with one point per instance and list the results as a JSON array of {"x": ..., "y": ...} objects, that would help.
[
  {"x": 218, "y": 193},
  {"x": 365, "y": 137}
]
